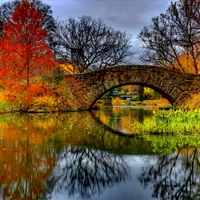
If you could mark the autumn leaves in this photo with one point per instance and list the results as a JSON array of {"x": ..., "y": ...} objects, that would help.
[
  {"x": 172, "y": 39},
  {"x": 25, "y": 56}
]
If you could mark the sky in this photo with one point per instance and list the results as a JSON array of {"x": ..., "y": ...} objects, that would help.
[{"x": 124, "y": 15}]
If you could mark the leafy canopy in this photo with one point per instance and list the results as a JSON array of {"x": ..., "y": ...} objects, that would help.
[{"x": 25, "y": 54}]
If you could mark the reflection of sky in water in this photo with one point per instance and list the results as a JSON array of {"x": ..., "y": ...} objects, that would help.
[
  {"x": 140, "y": 177},
  {"x": 131, "y": 190},
  {"x": 114, "y": 166}
]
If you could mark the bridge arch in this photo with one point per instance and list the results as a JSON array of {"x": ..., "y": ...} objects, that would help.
[
  {"x": 175, "y": 86},
  {"x": 135, "y": 83}
]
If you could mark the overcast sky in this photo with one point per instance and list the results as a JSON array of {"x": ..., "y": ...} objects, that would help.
[
  {"x": 129, "y": 15},
  {"x": 125, "y": 15}
]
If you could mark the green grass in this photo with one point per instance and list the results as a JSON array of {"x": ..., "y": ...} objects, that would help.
[
  {"x": 7, "y": 107},
  {"x": 171, "y": 122},
  {"x": 170, "y": 130}
]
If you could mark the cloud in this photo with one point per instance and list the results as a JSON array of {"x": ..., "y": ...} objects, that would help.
[{"x": 125, "y": 15}]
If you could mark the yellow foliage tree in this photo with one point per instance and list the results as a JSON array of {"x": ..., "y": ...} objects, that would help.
[
  {"x": 116, "y": 101},
  {"x": 187, "y": 63},
  {"x": 67, "y": 68}
]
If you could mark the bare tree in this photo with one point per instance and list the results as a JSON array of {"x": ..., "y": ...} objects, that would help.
[
  {"x": 172, "y": 34},
  {"x": 174, "y": 176},
  {"x": 87, "y": 43},
  {"x": 86, "y": 172}
]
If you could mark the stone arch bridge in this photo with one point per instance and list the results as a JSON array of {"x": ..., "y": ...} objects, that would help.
[{"x": 175, "y": 86}]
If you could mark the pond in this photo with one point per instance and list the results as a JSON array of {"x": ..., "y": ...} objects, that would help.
[{"x": 91, "y": 155}]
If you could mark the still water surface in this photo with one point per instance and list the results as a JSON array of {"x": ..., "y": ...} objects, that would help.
[{"x": 90, "y": 156}]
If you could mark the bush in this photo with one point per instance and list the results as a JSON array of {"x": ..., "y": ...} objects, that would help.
[
  {"x": 116, "y": 101},
  {"x": 44, "y": 102},
  {"x": 135, "y": 99}
]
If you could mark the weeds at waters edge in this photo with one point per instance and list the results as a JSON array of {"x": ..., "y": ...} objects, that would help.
[
  {"x": 171, "y": 122},
  {"x": 171, "y": 130},
  {"x": 6, "y": 107}
]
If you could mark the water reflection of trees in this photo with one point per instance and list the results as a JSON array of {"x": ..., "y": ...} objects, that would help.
[
  {"x": 23, "y": 169},
  {"x": 31, "y": 144},
  {"x": 174, "y": 176},
  {"x": 121, "y": 119},
  {"x": 73, "y": 153},
  {"x": 86, "y": 172}
]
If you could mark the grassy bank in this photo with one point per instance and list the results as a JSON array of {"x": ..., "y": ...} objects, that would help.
[
  {"x": 171, "y": 122},
  {"x": 170, "y": 130}
]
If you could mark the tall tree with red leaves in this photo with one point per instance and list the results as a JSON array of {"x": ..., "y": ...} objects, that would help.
[{"x": 25, "y": 54}]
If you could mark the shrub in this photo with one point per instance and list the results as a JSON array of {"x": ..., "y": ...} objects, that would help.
[
  {"x": 116, "y": 101},
  {"x": 44, "y": 102}
]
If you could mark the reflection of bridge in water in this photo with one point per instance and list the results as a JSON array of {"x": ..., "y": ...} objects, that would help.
[
  {"x": 175, "y": 86},
  {"x": 129, "y": 135},
  {"x": 47, "y": 155}
]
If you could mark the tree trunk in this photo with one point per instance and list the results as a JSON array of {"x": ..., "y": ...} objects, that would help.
[{"x": 141, "y": 93}]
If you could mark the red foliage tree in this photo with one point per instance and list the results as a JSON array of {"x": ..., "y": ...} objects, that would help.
[{"x": 25, "y": 54}]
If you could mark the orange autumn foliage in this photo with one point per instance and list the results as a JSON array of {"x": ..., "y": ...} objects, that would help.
[
  {"x": 69, "y": 94},
  {"x": 21, "y": 94},
  {"x": 25, "y": 54},
  {"x": 116, "y": 101},
  {"x": 159, "y": 102},
  {"x": 187, "y": 63}
]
